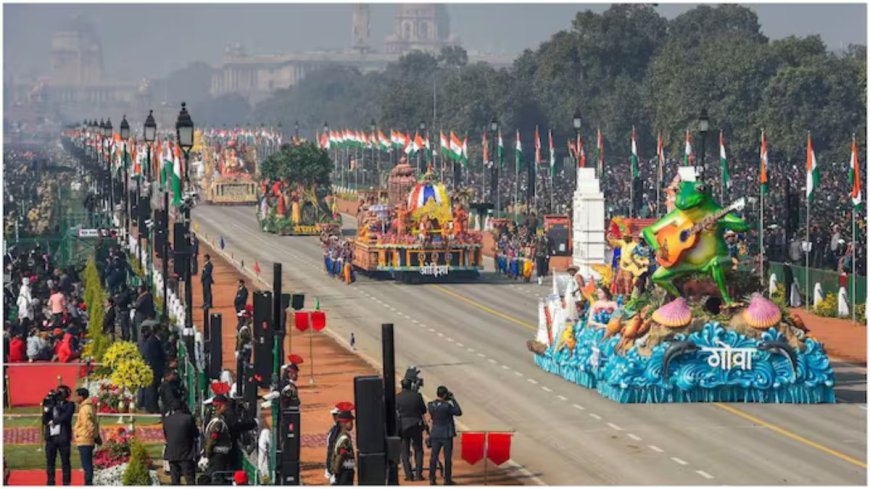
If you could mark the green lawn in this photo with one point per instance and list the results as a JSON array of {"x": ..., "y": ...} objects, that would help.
[
  {"x": 105, "y": 421},
  {"x": 23, "y": 457}
]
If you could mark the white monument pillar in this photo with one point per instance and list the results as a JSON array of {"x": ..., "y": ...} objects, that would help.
[{"x": 588, "y": 224}]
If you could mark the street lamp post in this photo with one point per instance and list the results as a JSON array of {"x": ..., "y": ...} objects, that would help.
[
  {"x": 296, "y": 129},
  {"x": 184, "y": 133},
  {"x": 373, "y": 141},
  {"x": 124, "y": 129},
  {"x": 150, "y": 134},
  {"x": 703, "y": 127},
  {"x": 107, "y": 134},
  {"x": 493, "y": 172},
  {"x": 577, "y": 122}
]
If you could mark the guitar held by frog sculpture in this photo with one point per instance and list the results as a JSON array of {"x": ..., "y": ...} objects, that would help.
[{"x": 689, "y": 239}]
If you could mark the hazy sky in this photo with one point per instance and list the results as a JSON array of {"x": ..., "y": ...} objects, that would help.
[{"x": 152, "y": 40}]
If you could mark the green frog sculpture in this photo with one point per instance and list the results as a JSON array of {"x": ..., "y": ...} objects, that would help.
[{"x": 689, "y": 239}]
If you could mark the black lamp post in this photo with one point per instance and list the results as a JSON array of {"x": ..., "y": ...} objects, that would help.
[
  {"x": 124, "y": 130},
  {"x": 375, "y": 151},
  {"x": 296, "y": 129},
  {"x": 184, "y": 134},
  {"x": 703, "y": 127},
  {"x": 107, "y": 134},
  {"x": 419, "y": 152},
  {"x": 577, "y": 121},
  {"x": 493, "y": 172},
  {"x": 149, "y": 133}
]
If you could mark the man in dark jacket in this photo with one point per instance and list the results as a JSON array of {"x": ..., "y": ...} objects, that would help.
[
  {"x": 144, "y": 306},
  {"x": 109, "y": 319},
  {"x": 241, "y": 300},
  {"x": 123, "y": 301},
  {"x": 181, "y": 435},
  {"x": 170, "y": 391},
  {"x": 57, "y": 414},
  {"x": 155, "y": 357},
  {"x": 411, "y": 408},
  {"x": 207, "y": 282},
  {"x": 442, "y": 411}
]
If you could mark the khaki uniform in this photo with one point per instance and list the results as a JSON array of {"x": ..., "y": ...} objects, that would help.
[{"x": 343, "y": 462}]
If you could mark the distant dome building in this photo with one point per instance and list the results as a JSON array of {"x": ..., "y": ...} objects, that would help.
[{"x": 420, "y": 26}]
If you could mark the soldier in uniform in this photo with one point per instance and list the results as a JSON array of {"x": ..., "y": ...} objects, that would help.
[
  {"x": 343, "y": 461},
  {"x": 218, "y": 439},
  {"x": 289, "y": 376},
  {"x": 333, "y": 433}
]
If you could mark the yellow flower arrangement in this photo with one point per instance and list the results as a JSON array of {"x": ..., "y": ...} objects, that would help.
[
  {"x": 119, "y": 353},
  {"x": 132, "y": 374}
]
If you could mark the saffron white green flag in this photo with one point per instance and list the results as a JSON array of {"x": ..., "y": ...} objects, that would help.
[
  {"x": 176, "y": 178},
  {"x": 812, "y": 170},
  {"x": 855, "y": 176},
  {"x": 723, "y": 162}
]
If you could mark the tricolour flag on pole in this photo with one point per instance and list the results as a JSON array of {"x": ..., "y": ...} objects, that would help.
[
  {"x": 167, "y": 167},
  {"x": 463, "y": 158},
  {"x": 660, "y": 157},
  {"x": 176, "y": 177},
  {"x": 599, "y": 150},
  {"x": 635, "y": 171},
  {"x": 855, "y": 176},
  {"x": 537, "y": 146},
  {"x": 581, "y": 153},
  {"x": 455, "y": 147},
  {"x": 688, "y": 159},
  {"x": 445, "y": 144},
  {"x": 762, "y": 172},
  {"x": 518, "y": 153},
  {"x": 500, "y": 150},
  {"x": 383, "y": 141},
  {"x": 723, "y": 162},
  {"x": 812, "y": 169},
  {"x": 485, "y": 151},
  {"x": 552, "y": 154}
]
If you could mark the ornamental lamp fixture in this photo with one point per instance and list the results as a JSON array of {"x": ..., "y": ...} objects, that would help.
[
  {"x": 107, "y": 129},
  {"x": 703, "y": 123},
  {"x": 184, "y": 129},
  {"x": 150, "y": 128},
  {"x": 493, "y": 124},
  {"x": 124, "y": 128},
  {"x": 578, "y": 122}
]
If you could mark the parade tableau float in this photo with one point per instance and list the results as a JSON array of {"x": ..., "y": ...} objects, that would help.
[
  {"x": 229, "y": 169},
  {"x": 294, "y": 192},
  {"x": 698, "y": 333},
  {"x": 417, "y": 235}
]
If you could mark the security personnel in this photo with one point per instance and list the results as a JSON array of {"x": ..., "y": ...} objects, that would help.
[
  {"x": 218, "y": 438},
  {"x": 343, "y": 462},
  {"x": 411, "y": 408},
  {"x": 442, "y": 411},
  {"x": 290, "y": 392},
  {"x": 331, "y": 436}
]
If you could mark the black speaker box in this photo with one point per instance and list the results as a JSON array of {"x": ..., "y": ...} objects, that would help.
[
  {"x": 179, "y": 238},
  {"x": 215, "y": 347},
  {"x": 250, "y": 394},
  {"x": 286, "y": 300},
  {"x": 372, "y": 469},
  {"x": 368, "y": 393},
  {"x": 143, "y": 213},
  {"x": 298, "y": 302},
  {"x": 289, "y": 438},
  {"x": 180, "y": 262},
  {"x": 263, "y": 337}
]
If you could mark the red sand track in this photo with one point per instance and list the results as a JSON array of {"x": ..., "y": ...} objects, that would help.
[{"x": 37, "y": 477}]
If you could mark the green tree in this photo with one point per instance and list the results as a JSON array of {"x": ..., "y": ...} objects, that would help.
[
  {"x": 304, "y": 164},
  {"x": 453, "y": 56}
]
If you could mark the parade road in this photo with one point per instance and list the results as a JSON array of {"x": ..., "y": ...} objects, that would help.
[{"x": 472, "y": 338}]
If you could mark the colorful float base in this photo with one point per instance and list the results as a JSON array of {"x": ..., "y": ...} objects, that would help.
[{"x": 767, "y": 372}]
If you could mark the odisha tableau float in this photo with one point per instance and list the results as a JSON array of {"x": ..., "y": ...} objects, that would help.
[
  {"x": 698, "y": 332},
  {"x": 416, "y": 233},
  {"x": 294, "y": 192}
]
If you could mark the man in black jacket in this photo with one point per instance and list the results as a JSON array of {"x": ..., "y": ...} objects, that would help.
[
  {"x": 442, "y": 411},
  {"x": 207, "y": 282},
  {"x": 144, "y": 307},
  {"x": 57, "y": 414},
  {"x": 411, "y": 408},
  {"x": 241, "y": 300},
  {"x": 181, "y": 435},
  {"x": 170, "y": 391},
  {"x": 155, "y": 357}
]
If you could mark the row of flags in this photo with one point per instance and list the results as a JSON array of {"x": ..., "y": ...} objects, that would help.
[{"x": 242, "y": 136}]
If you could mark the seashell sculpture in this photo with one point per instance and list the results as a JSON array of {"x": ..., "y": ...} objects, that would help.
[
  {"x": 674, "y": 314},
  {"x": 761, "y": 313},
  {"x": 614, "y": 325}
]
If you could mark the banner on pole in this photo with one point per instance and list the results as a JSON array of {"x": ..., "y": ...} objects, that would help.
[
  {"x": 301, "y": 320},
  {"x": 472, "y": 447},
  {"x": 498, "y": 447}
]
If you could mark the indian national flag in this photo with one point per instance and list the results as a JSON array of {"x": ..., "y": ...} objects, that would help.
[
  {"x": 537, "y": 146},
  {"x": 635, "y": 171},
  {"x": 552, "y": 155},
  {"x": 176, "y": 177},
  {"x": 660, "y": 156},
  {"x": 464, "y": 157},
  {"x": 855, "y": 176},
  {"x": 409, "y": 144},
  {"x": 518, "y": 152},
  {"x": 762, "y": 173},
  {"x": 485, "y": 151},
  {"x": 812, "y": 169},
  {"x": 444, "y": 142},
  {"x": 383, "y": 141},
  {"x": 688, "y": 159},
  {"x": 723, "y": 161},
  {"x": 168, "y": 163},
  {"x": 500, "y": 150},
  {"x": 599, "y": 149},
  {"x": 581, "y": 153},
  {"x": 397, "y": 139},
  {"x": 455, "y": 147}
]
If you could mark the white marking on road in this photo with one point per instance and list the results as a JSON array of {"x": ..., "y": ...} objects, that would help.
[
  {"x": 450, "y": 339},
  {"x": 616, "y": 427},
  {"x": 655, "y": 448},
  {"x": 532, "y": 381},
  {"x": 415, "y": 321},
  {"x": 562, "y": 398},
  {"x": 440, "y": 334},
  {"x": 704, "y": 474},
  {"x": 546, "y": 389},
  {"x": 679, "y": 461},
  {"x": 505, "y": 367},
  {"x": 431, "y": 330},
  {"x": 518, "y": 374},
  {"x": 471, "y": 350},
  {"x": 595, "y": 416},
  {"x": 634, "y": 437},
  {"x": 460, "y": 345},
  {"x": 422, "y": 325},
  {"x": 577, "y": 406}
]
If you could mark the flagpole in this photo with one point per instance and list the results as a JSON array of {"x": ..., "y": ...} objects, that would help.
[
  {"x": 807, "y": 261},
  {"x": 761, "y": 238},
  {"x": 854, "y": 264}
]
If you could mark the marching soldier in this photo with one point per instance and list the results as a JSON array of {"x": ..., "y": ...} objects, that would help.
[
  {"x": 343, "y": 461},
  {"x": 218, "y": 439}
]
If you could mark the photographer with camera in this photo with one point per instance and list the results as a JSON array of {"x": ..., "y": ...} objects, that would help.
[
  {"x": 411, "y": 408},
  {"x": 441, "y": 412},
  {"x": 57, "y": 414}
]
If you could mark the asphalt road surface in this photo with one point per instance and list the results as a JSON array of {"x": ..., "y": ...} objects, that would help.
[{"x": 472, "y": 338}]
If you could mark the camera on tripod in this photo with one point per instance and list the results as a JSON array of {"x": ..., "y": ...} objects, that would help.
[{"x": 413, "y": 379}]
